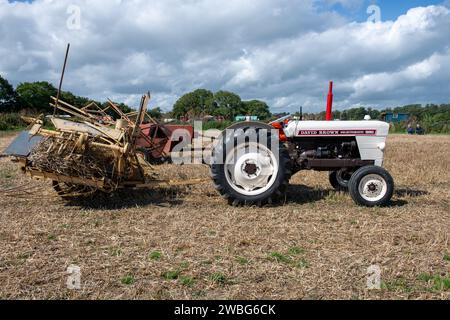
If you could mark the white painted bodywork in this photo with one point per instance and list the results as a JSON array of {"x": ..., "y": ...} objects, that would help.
[{"x": 370, "y": 135}]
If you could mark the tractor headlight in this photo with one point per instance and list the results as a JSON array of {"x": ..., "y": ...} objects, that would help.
[{"x": 382, "y": 146}]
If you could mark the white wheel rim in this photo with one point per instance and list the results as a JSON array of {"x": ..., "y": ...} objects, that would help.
[
  {"x": 251, "y": 173},
  {"x": 373, "y": 188}
]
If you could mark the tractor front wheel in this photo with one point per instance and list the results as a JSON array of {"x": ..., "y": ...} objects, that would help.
[{"x": 371, "y": 186}]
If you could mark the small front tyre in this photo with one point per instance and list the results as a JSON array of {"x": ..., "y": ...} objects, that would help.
[{"x": 371, "y": 186}]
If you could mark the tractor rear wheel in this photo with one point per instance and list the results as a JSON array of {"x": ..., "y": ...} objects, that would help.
[
  {"x": 371, "y": 186},
  {"x": 251, "y": 172}
]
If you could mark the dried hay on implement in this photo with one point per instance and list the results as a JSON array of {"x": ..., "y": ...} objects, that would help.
[{"x": 88, "y": 151}]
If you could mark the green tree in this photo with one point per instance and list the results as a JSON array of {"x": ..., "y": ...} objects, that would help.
[
  {"x": 74, "y": 100},
  {"x": 374, "y": 114},
  {"x": 257, "y": 108},
  {"x": 155, "y": 113},
  {"x": 337, "y": 114},
  {"x": 356, "y": 113},
  {"x": 9, "y": 100},
  {"x": 226, "y": 104},
  {"x": 196, "y": 102},
  {"x": 36, "y": 95}
]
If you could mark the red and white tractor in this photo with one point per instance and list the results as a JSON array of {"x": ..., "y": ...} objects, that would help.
[{"x": 253, "y": 162}]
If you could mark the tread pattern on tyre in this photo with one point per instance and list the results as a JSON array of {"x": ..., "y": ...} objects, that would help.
[{"x": 274, "y": 194}]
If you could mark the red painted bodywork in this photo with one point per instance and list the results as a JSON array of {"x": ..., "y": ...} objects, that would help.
[
  {"x": 159, "y": 138},
  {"x": 279, "y": 127},
  {"x": 329, "y": 116}
]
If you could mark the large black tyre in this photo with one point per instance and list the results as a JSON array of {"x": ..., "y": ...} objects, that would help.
[
  {"x": 339, "y": 180},
  {"x": 371, "y": 186},
  {"x": 223, "y": 173}
]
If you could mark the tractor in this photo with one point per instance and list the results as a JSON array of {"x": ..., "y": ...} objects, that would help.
[{"x": 253, "y": 162}]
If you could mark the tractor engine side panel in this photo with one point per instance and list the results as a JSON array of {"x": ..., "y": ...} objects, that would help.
[
  {"x": 372, "y": 148},
  {"x": 330, "y": 140}
]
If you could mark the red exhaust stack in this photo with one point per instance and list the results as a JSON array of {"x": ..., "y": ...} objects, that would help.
[{"x": 329, "y": 116}]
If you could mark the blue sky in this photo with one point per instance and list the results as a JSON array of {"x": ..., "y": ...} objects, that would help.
[
  {"x": 390, "y": 9},
  {"x": 280, "y": 51}
]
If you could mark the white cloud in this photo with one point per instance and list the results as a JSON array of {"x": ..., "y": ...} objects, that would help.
[{"x": 281, "y": 51}]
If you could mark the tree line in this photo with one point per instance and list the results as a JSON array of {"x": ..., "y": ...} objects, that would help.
[
  {"x": 34, "y": 97},
  {"x": 432, "y": 117}
]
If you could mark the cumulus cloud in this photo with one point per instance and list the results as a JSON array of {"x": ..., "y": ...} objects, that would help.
[{"x": 281, "y": 51}]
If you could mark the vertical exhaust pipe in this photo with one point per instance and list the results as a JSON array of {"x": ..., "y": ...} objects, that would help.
[{"x": 329, "y": 116}]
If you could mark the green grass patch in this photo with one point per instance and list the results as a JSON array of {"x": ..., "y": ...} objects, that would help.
[
  {"x": 296, "y": 251},
  {"x": 396, "y": 285},
  {"x": 175, "y": 274},
  {"x": 128, "y": 280},
  {"x": 186, "y": 281},
  {"x": 155, "y": 255},
  {"x": 292, "y": 258},
  {"x": 279, "y": 257},
  {"x": 219, "y": 278},
  {"x": 171, "y": 274},
  {"x": 436, "y": 282},
  {"x": 447, "y": 257},
  {"x": 242, "y": 261}
]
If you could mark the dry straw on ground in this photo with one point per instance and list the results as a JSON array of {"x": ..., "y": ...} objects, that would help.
[{"x": 187, "y": 243}]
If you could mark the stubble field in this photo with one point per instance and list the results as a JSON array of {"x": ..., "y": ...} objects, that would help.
[{"x": 187, "y": 243}]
